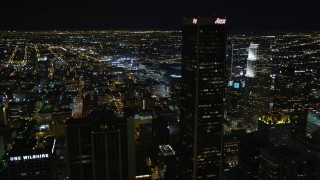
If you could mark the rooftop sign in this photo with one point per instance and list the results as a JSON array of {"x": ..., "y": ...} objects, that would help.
[
  {"x": 29, "y": 157},
  {"x": 194, "y": 21},
  {"x": 220, "y": 21}
]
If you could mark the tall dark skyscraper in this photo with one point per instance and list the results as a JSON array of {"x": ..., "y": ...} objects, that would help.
[
  {"x": 100, "y": 147},
  {"x": 79, "y": 149},
  {"x": 202, "y": 98}
]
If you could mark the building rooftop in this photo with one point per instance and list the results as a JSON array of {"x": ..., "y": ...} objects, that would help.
[
  {"x": 275, "y": 116},
  {"x": 36, "y": 140},
  {"x": 167, "y": 150}
]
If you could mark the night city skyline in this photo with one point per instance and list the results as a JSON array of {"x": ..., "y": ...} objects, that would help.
[
  {"x": 98, "y": 14},
  {"x": 160, "y": 90}
]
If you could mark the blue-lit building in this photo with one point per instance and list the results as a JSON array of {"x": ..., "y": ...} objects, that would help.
[{"x": 235, "y": 102}]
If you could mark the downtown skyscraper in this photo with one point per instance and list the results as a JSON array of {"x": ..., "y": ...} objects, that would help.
[
  {"x": 202, "y": 97},
  {"x": 100, "y": 146},
  {"x": 258, "y": 83},
  {"x": 292, "y": 89}
]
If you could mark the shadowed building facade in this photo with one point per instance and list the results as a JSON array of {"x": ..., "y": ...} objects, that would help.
[{"x": 100, "y": 146}]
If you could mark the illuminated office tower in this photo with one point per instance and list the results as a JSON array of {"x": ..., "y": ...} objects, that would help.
[
  {"x": 252, "y": 58},
  {"x": 259, "y": 59},
  {"x": 292, "y": 88},
  {"x": 32, "y": 156},
  {"x": 235, "y": 102},
  {"x": 258, "y": 83},
  {"x": 43, "y": 66},
  {"x": 202, "y": 96}
]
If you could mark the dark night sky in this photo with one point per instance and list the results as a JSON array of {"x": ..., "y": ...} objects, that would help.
[{"x": 254, "y": 15}]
